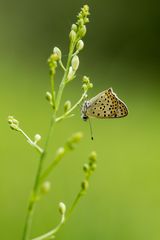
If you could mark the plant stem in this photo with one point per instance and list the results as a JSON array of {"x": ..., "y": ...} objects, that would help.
[
  {"x": 72, "y": 108},
  {"x": 63, "y": 82},
  {"x": 40, "y": 150},
  {"x": 34, "y": 196},
  {"x": 52, "y": 232}
]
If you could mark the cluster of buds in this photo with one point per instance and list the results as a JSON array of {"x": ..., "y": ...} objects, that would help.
[
  {"x": 13, "y": 123},
  {"x": 73, "y": 140},
  {"x": 76, "y": 34},
  {"x": 53, "y": 59},
  {"x": 86, "y": 84},
  {"x": 78, "y": 30},
  {"x": 89, "y": 168}
]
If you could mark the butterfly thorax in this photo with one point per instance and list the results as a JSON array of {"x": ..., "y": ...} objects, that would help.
[{"x": 85, "y": 106}]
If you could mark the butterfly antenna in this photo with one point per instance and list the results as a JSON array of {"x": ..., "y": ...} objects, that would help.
[{"x": 90, "y": 126}]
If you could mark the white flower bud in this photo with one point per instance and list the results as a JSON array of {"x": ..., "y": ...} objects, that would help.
[
  {"x": 62, "y": 208},
  {"x": 57, "y": 51},
  {"x": 37, "y": 138},
  {"x": 72, "y": 35},
  {"x": 70, "y": 74},
  {"x": 75, "y": 62},
  {"x": 80, "y": 45},
  {"x": 74, "y": 27}
]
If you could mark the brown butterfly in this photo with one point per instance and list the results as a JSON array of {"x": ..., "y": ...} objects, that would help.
[{"x": 104, "y": 105}]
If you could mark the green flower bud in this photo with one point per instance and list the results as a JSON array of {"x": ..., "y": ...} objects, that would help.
[
  {"x": 85, "y": 80},
  {"x": 60, "y": 152},
  {"x": 75, "y": 62},
  {"x": 74, "y": 27},
  {"x": 90, "y": 85},
  {"x": 72, "y": 35},
  {"x": 74, "y": 139},
  {"x": 45, "y": 188},
  {"x": 85, "y": 185},
  {"x": 86, "y": 167},
  {"x": 93, "y": 166},
  {"x": 49, "y": 96},
  {"x": 57, "y": 51},
  {"x": 82, "y": 31},
  {"x": 14, "y": 127},
  {"x": 80, "y": 45},
  {"x": 93, "y": 157},
  {"x": 62, "y": 208},
  {"x": 84, "y": 87},
  {"x": 54, "y": 57},
  {"x": 86, "y": 8},
  {"x": 67, "y": 105}
]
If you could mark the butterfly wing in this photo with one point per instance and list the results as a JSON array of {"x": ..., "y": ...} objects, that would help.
[{"x": 106, "y": 105}]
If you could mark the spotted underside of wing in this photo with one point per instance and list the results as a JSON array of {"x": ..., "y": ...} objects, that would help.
[{"x": 106, "y": 105}]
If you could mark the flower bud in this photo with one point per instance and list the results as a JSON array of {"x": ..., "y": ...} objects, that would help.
[
  {"x": 85, "y": 185},
  {"x": 57, "y": 51},
  {"x": 62, "y": 208},
  {"x": 14, "y": 123},
  {"x": 14, "y": 127},
  {"x": 82, "y": 31},
  {"x": 84, "y": 87},
  {"x": 72, "y": 35},
  {"x": 93, "y": 166},
  {"x": 70, "y": 74},
  {"x": 85, "y": 79},
  {"x": 67, "y": 105},
  {"x": 93, "y": 157},
  {"x": 49, "y": 96},
  {"x": 45, "y": 188},
  {"x": 54, "y": 57},
  {"x": 90, "y": 85},
  {"x": 80, "y": 45},
  {"x": 86, "y": 167},
  {"x": 75, "y": 62},
  {"x": 75, "y": 138},
  {"x": 37, "y": 138},
  {"x": 74, "y": 27},
  {"x": 60, "y": 152}
]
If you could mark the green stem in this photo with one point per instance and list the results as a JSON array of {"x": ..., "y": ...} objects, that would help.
[
  {"x": 50, "y": 168},
  {"x": 40, "y": 150},
  {"x": 52, "y": 232},
  {"x": 75, "y": 202},
  {"x": 64, "y": 79},
  {"x": 72, "y": 108},
  {"x": 34, "y": 197}
]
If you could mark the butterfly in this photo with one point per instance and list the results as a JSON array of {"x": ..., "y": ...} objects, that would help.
[{"x": 104, "y": 105}]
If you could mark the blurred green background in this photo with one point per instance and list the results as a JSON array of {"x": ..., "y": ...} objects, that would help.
[{"x": 121, "y": 51}]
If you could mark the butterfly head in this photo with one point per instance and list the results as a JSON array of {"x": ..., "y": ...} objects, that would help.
[{"x": 85, "y": 106}]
